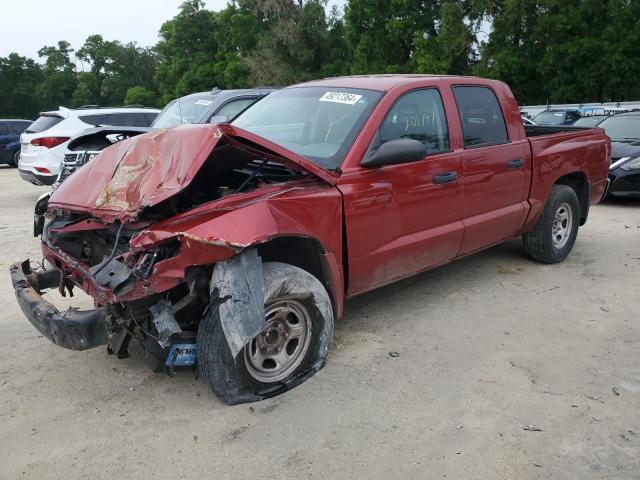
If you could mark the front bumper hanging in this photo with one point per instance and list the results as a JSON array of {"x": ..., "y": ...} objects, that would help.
[{"x": 72, "y": 329}]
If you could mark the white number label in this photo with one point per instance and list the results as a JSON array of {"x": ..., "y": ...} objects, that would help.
[{"x": 340, "y": 97}]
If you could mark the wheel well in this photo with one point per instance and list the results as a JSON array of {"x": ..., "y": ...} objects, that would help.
[
  {"x": 302, "y": 252},
  {"x": 578, "y": 181}
]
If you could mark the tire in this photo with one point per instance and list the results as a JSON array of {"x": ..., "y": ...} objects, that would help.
[
  {"x": 15, "y": 157},
  {"x": 553, "y": 237},
  {"x": 287, "y": 289}
]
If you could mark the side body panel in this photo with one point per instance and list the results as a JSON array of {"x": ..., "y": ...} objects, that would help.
[
  {"x": 586, "y": 152},
  {"x": 398, "y": 221}
]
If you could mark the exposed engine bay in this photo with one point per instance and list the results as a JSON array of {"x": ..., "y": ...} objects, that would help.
[{"x": 164, "y": 320}]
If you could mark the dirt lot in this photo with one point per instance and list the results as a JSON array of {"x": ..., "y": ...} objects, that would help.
[{"x": 488, "y": 346}]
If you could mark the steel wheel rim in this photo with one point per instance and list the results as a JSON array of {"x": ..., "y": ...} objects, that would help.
[
  {"x": 561, "y": 226},
  {"x": 16, "y": 158},
  {"x": 280, "y": 347}
]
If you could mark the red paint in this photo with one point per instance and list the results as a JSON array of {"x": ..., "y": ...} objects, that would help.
[{"x": 395, "y": 220}]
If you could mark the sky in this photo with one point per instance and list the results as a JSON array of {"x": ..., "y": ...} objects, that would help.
[{"x": 28, "y": 25}]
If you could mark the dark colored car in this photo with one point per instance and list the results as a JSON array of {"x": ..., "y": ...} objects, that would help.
[
  {"x": 624, "y": 173},
  {"x": 10, "y": 131},
  {"x": 557, "y": 117}
]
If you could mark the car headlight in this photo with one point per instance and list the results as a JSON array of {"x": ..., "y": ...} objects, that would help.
[{"x": 632, "y": 165}]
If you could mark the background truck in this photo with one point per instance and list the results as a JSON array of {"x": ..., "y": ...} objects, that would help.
[{"x": 234, "y": 246}]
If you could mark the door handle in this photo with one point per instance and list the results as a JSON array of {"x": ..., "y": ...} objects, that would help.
[
  {"x": 445, "y": 177},
  {"x": 515, "y": 163}
]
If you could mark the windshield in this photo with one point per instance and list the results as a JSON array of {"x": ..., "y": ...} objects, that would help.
[
  {"x": 622, "y": 127},
  {"x": 182, "y": 110},
  {"x": 45, "y": 122},
  {"x": 549, "y": 118},
  {"x": 589, "y": 121},
  {"x": 319, "y": 123}
]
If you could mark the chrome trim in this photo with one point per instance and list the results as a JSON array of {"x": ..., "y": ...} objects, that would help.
[{"x": 618, "y": 162}]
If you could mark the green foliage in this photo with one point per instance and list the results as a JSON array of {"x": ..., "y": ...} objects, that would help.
[
  {"x": 140, "y": 96},
  {"x": 555, "y": 50},
  {"x": 19, "y": 78},
  {"x": 565, "y": 50}
]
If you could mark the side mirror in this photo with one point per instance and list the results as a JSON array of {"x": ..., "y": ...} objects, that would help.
[
  {"x": 219, "y": 119},
  {"x": 401, "y": 150}
]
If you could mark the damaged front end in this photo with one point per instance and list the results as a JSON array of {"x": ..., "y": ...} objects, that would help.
[{"x": 157, "y": 233}]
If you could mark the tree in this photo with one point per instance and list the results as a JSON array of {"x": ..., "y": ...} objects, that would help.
[
  {"x": 19, "y": 77},
  {"x": 449, "y": 51},
  {"x": 187, "y": 50},
  {"x": 59, "y": 78},
  {"x": 141, "y": 96}
]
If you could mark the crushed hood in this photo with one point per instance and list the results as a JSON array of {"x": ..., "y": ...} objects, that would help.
[{"x": 148, "y": 169}]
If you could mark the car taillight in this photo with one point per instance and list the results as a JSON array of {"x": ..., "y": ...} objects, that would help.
[
  {"x": 49, "y": 142},
  {"x": 42, "y": 170}
]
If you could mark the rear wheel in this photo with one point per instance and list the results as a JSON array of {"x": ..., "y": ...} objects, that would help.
[
  {"x": 291, "y": 347},
  {"x": 553, "y": 237},
  {"x": 15, "y": 157}
]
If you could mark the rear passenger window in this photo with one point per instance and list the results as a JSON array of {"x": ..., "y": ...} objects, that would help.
[
  {"x": 118, "y": 119},
  {"x": 3, "y": 129},
  {"x": 480, "y": 115},
  {"x": 418, "y": 115}
]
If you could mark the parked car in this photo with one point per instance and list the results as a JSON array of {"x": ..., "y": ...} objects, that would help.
[
  {"x": 557, "y": 117},
  {"x": 44, "y": 142},
  {"x": 195, "y": 108},
  {"x": 10, "y": 131},
  {"x": 233, "y": 246},
  {"x": 624, "y": 173}
]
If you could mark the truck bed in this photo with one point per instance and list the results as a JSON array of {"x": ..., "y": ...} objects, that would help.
[{"x": 537, "y": 130}]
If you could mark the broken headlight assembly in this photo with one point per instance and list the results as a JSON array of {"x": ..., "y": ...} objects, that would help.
[{"x": 146, "y": 260}]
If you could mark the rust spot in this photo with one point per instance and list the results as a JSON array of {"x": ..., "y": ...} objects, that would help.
[{"x": 114, "y": 193}]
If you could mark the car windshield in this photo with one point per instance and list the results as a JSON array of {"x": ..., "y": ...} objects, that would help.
[
  {"x": 182, "y": 110},
  {"x": 589, "y": 121},
  {"x": 319, "y": 123},
  {"x": 549, "y": 118},
  {"x": 622, "y": 127}
]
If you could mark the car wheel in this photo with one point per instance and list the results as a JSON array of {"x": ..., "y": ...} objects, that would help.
[
  {"x": 15, "y": 157},
  {"x": 553, "y": 237},
  {"x": 291, "y": 347}
]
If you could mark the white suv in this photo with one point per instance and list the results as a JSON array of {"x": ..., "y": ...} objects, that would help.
[{"x": 44, "y": 142}]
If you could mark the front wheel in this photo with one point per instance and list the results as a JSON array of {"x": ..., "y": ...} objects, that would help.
[
  {"x": 291, "y": 347},
  {"x": 553, "y": 237}
]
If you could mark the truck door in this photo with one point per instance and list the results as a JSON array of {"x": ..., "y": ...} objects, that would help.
[
  {"x": 404, "y": 218},
  {"x": 493, "y": 170}
]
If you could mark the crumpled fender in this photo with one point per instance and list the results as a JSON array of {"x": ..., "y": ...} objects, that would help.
[{"x": 237, "y": 291}]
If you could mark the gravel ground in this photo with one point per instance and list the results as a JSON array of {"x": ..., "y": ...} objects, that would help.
[{"x": 505, "y": 369}]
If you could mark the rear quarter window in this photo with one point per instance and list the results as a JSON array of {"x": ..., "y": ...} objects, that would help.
[
  {"x": 480, "y": 115},
  {"x": 121, "y": 119},
  {"x": 45, "y": 122}
]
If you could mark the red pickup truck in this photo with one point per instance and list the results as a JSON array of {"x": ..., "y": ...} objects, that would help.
[{"x": 234, "y": 246}]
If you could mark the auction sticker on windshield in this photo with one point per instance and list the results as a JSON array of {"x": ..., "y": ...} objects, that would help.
[
  {"x": 203, "y": 102},
  {"x": 340, "y": 97}
]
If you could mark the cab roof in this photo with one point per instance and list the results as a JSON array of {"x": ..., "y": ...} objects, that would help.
[{"x": 383, "y": 82}]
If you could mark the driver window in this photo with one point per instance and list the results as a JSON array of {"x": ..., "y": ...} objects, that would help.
[{"x": 418, "y": 115}]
